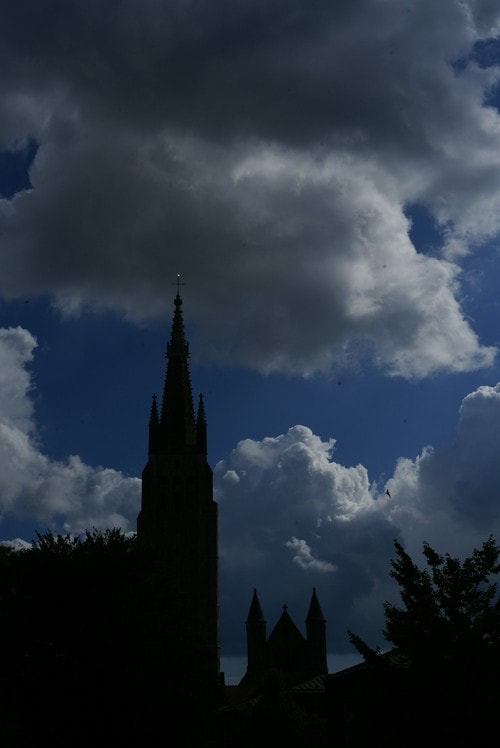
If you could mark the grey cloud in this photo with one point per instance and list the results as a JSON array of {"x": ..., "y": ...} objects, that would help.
[
  {"x": 266, "y": 150},
  {"x": 314, "y": 257},
  {"x": 282, "y": 70},
  {"x": 449, "y": 495}
]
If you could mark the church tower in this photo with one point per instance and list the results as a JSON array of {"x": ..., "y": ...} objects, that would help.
[
  {"x": 177, "y": 524},
  {"x": 316, "y": 637},
  {"x": 285, "y": 649},
  {"x": 256, "y": 640}
]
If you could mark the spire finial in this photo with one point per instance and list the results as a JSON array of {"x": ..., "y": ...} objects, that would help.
[{"x": 178, "y": 283}]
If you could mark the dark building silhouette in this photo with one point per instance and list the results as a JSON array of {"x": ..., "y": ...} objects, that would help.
[
  {"x": 286, "y": 650},
  {"x": 177, "y": 524}
]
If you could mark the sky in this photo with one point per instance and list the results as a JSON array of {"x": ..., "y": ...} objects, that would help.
[{"x": 326, "y": 179}]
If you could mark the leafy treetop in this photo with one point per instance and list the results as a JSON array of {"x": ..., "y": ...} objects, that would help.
[{"x": 450, "y": 613}]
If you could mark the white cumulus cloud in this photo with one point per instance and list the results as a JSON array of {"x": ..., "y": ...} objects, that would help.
[
  {"x": 304, "y": 558},
  {"x": 449, "y": 495},
  {"x": 295, "y": 516},
  {"x": 68, "y": 496}
]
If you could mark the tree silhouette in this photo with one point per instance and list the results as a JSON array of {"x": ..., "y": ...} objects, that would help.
[
  {"x": 451, "y": 609},
  {"x": 89, "y": 647},
  {"x": 446, "y": 639}
]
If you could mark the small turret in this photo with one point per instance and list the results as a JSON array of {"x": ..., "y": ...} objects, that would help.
[
  {"x": 316, "y": 637},
  {"x": 256, "y": 639},
  {"x": 201, "y": 427}
]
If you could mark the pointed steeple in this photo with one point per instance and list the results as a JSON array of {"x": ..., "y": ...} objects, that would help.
[
  {"x": 177, "y": 424},
  {"x": 255, "y": 614},
  {"x": 316, "y": 637},
  {"x": 315, "y": 613},
  {"x": 256, "y": 641}
]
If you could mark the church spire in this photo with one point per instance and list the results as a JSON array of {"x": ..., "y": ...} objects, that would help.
[
  {"x": 177, "y": 425},
  {"x": 177, "y": 524}
]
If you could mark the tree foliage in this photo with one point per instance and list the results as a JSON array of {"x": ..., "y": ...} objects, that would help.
[
  {"x": 446, "y": 644},
  {"x": 451, "y": 609},
  {"x": 88, "y": 645}
]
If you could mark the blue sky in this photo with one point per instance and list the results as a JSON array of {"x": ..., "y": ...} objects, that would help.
[{"x": 327, "y": 181}]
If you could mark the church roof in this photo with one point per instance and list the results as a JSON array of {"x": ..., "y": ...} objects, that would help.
[
  {"x": 312, "y": 685},
  {"x": 285, "y": 633}
]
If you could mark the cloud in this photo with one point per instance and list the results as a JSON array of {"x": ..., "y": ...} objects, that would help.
[
  {"x": 304, "y": 558},
  {"x": 66, "y": 496},
  {"x": 449, "y": 496},
  {"x": 18, "y": 544},
  {"x": 241, "y": 144},
  {"x": 297, "y": 519},
  {"x": 294, "y": 520},
  {"x": 16, "y": 352}
]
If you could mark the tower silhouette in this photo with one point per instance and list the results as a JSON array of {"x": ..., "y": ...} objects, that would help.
[
  {"x": 316, "y": 637},
  {"x": 177, "y": 523},
  {"x": 286, "y": 649}
]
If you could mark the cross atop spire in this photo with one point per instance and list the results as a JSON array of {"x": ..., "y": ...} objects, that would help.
[{"x": 178, "y": 283}]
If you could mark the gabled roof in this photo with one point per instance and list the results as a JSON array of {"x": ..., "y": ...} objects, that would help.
[{"x": 285, "y": 633}]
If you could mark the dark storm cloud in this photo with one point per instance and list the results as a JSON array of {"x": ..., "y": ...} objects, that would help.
[
  {"x": 265, "y": 149},
  {"x": 221, "y": 68},
  {"x": 284, "y": 70}
]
